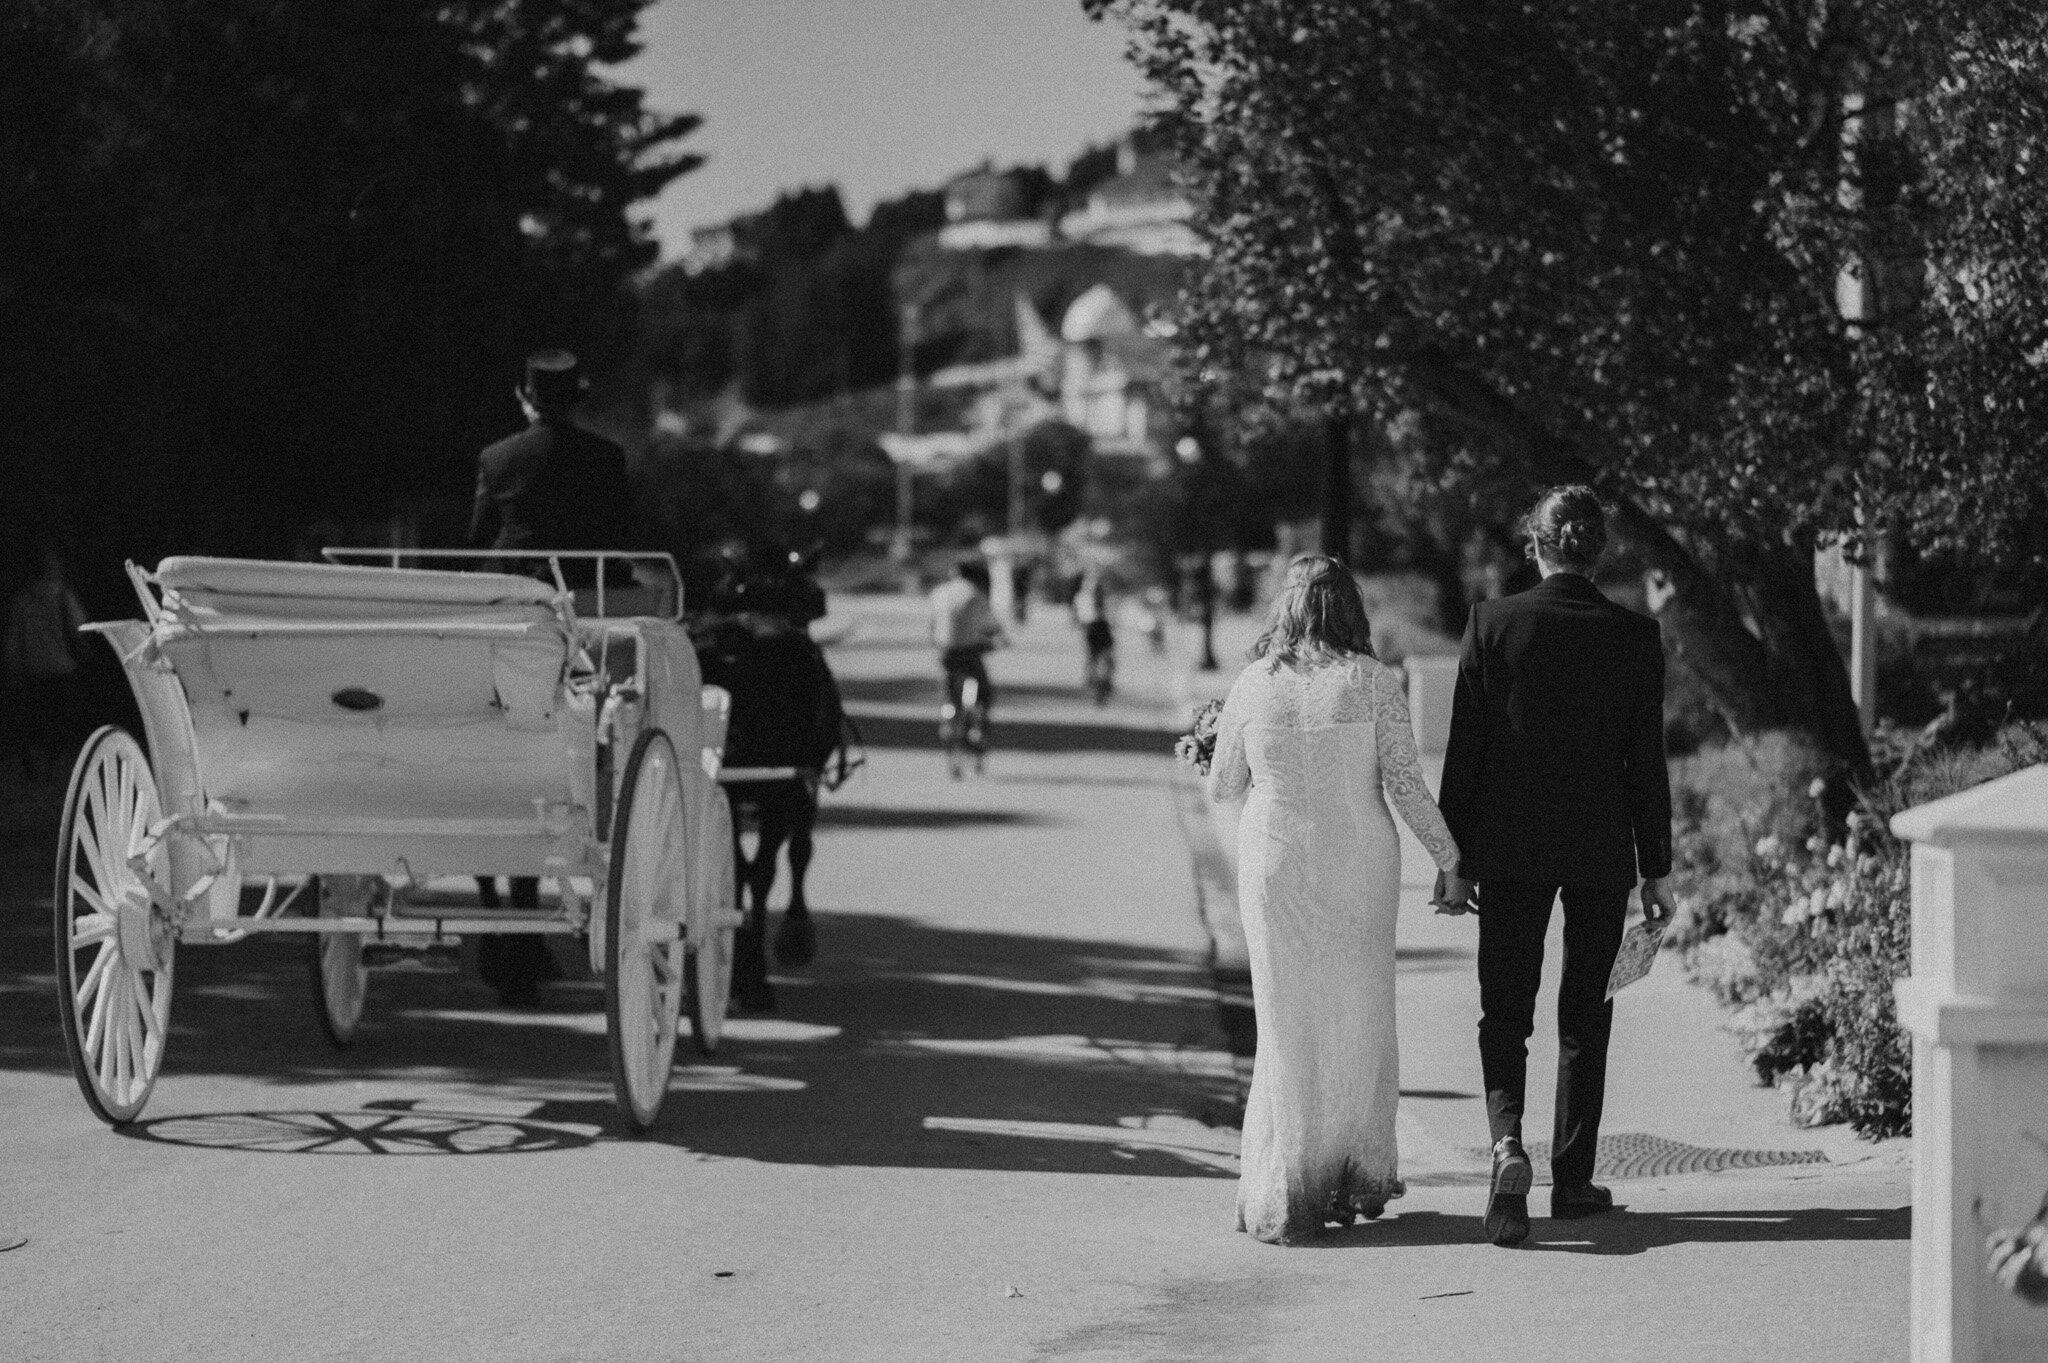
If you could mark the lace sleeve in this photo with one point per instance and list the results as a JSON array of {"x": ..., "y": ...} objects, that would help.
[
  {"x": 1230, "y": 775},
  {"x": 1401, "y": 770}
]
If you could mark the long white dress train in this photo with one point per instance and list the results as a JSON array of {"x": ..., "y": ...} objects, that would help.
[{"x": 1319, "y": 883}]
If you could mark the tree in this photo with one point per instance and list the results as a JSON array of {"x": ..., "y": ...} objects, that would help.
[
  {"x": 1600, "y": 241},
  {"x": 263, "y": 260}
]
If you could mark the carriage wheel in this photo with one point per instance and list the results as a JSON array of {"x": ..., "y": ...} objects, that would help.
[
  {"x": 115, "y": 946},
  {"x": 643, "y": 988},
  {"x": 708, "y": 959},
  {"x": 341, "y": 982}
]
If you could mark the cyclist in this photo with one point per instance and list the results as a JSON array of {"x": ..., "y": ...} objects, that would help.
[
  {"x": 964, "y": 628},
  {"x": 1091, "y": 613}
]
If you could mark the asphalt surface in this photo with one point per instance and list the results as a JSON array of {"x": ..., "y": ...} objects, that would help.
[{"x": 993, "y": 1120}]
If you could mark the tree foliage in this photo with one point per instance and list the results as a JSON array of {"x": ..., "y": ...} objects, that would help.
[
  {"x": 1604, "y": 241},
  {"x": 802, "y": 312},
  {"x": 263, "y": 261}
]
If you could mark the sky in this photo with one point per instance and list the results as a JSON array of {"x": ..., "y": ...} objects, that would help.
[{"x": 877, "y": 96}]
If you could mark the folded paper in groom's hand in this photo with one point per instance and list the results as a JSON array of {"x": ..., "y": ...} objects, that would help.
[{"x": 1638, "y": 953}]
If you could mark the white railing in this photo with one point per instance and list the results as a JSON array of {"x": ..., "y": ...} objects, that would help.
[{"x": 662, "y": 567}]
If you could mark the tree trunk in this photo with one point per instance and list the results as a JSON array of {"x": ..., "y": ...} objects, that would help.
[
  {"x": 1807, "y": 665},
  {"x": 1336, "y": 500}
]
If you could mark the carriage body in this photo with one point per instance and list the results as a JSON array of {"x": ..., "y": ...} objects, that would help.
[{"x": 363, "y": 731}]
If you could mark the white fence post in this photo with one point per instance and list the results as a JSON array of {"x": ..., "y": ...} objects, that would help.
[{"x": 1977, "y": 1008}]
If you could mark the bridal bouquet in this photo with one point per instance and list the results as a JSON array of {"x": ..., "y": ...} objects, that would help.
[{"x": 1198, "y": 745}]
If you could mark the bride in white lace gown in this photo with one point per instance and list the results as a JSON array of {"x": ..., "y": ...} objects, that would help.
[{"x": 1317, "y": 728}]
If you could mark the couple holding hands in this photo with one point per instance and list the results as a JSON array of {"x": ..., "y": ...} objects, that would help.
[{"x": 1554, "y": 787}]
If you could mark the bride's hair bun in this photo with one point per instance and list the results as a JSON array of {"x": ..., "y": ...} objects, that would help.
[{"x": 1569, "y": 526}]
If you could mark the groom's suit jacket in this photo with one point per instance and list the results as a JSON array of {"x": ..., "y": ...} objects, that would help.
[{"x": 1555, "y": 769}]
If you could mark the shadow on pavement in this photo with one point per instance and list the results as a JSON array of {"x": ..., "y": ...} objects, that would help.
[
  {"x": 832, "y": 814},
  {"x": 1004, "y": 778},
  {"x": 374, "y": 1130},
  {"x": 1626, "y": 1232},
  {"x": 1017, "y": 734},
  {"x": 926, "y": 691},
  {"x": 909, "y": 1046}
]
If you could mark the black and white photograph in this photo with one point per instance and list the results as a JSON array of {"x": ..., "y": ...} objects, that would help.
[{"x": 1116, "y": 681}]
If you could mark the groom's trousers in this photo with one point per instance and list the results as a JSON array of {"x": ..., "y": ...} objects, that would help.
[{"x": 1513, "y": 918}]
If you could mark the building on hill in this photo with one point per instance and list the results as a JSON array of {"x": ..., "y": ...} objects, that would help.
[
  {"x": 1110, "y": 375},
  {"x": 986, "y": 209},
  {"x": 1099, "y": 371},
  {"x": 1142, "y": 208}
]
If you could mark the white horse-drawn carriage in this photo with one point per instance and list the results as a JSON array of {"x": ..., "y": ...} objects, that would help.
[{"x": 326, "y": 739}]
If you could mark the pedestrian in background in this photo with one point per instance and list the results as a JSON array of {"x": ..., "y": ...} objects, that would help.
[{"x": 41, "y": 655}]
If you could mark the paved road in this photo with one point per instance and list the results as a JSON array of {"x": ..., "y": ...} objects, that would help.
[{"x": 983, "y": 1126}]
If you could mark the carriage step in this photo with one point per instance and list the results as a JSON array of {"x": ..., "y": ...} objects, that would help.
[{"x": 419, "y": 911}]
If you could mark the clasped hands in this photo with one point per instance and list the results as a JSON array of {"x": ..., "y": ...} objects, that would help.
[{"x": 1456, "y": 895}]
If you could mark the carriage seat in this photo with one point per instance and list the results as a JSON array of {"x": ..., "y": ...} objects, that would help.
[{"x": 348, "y": 687}]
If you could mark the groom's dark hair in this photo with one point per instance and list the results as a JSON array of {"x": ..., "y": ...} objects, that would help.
[
  {"x": 1568, "y": 526},
  {"x": 1318, "y": 614}
]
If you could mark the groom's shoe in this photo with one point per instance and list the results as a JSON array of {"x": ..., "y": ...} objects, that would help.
[
  {"x": 1570, "y": 1201},
  {"x": 1507, "y": 1201}
]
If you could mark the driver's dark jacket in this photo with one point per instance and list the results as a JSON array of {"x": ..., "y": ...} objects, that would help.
[{"x": 552, "y": 486}]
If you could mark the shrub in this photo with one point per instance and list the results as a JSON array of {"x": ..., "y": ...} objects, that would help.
[
  {"x": 1726, "y": 801},
  {"x": 1806, "y": 938}
]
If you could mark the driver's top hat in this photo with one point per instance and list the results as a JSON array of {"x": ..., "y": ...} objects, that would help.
[{"x": 554, "y": 379}]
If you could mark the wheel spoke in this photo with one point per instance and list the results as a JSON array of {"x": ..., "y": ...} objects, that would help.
[
  {"x": 87, "y": 891},
  {"x": 92, "y": 838},
  {"x": 123, "y": 1028},
  {"x": 86, "y": 929},
  {"x": 109, "y": 872},
  {"x": 96, "y": 976},
  {"x": 151, "y": 1036},
  {"x": 96, "y": 1024},
  {"x": 99, "y": 1042}
]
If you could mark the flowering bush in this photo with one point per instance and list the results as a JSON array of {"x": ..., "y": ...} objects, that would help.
[
  {"x": 1804, "y": 936},
  {"x": 1831, "y": 931},
  {"x": 1197, "y": 747}
]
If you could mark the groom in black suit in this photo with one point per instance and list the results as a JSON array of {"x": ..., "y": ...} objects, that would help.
[{"x": 1554, "y": 786}]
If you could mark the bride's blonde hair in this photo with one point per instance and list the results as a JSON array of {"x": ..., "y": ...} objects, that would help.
[{"x": 1318, "y": 614}]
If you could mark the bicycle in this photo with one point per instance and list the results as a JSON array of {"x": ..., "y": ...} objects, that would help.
[
  {"x": 1102, "y": 675},
  {"x": 1099, "y": 676},
  {"x": 963, "y": 723}
]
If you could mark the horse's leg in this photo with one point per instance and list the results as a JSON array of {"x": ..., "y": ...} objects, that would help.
[
  {"x": 750, "y": 987},
  {"x": 796, "y": 943}
]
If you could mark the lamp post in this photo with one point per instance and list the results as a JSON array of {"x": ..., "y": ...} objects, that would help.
[
  {"x": 906, "y": 424},
  {"x": 1018, "y": 485},
  {"x": 1857, "y": 300},
  {"x": 1189, "y": 452}
]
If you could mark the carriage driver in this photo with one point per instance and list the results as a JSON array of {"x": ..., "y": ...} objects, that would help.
[{"x": 554, "y": 485}]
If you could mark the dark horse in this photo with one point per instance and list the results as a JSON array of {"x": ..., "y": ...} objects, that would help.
[{"x": 786, "y": 717}]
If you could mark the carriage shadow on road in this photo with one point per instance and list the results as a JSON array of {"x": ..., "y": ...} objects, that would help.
[
  {"x": 907, "y": 1046},
  {"x": 376, "y": 1129}
]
